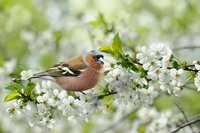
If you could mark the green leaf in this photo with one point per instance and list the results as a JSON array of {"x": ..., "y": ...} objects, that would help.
[
  {"x": 106, "y": 49},
  {"x": 127, "y": 62},
  {"x": 9, "y": 87},
  {"x": 17, "y": 72},
  {"x": 1, "y": 62},
  {"x": 175, "y": 64},
  {"x": 87, "y": 127},
  {"x": 108, "y": 99},
  {"x": 106, "y": 72},
  {"x": 116, "y": 47},
  {"x": 29, "y": 88},
  {"x": 57, "y": 35},
  {"x": 11, "y": 96},
  {"x": 105, "y": 89},
  {"x": 183, "y": 64},
  {"x": 99, "y": 21},
  {"x": 13, "y": 86},
  {"x": 95, "y": 23},
  {"x": 142, "y": 129},
  {"x": 192, "y": 75}
]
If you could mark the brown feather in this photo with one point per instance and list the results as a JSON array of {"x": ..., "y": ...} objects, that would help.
[{"x": 76, "y": 63}]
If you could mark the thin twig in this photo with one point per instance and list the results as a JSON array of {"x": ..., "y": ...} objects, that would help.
[
  {"x": 185, "y": 116},
  {"x": 107, "y": 94},
  {"x": 186, "y": 47},
  {"x": 112, "y": 126},
  {"x": 193, "y": 121},
  {"x": 187, "y": 68}
]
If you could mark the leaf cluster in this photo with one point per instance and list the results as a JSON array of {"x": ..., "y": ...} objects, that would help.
[{"x": 18, "y": 91}]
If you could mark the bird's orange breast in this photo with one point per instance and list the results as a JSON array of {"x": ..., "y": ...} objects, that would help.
[{"x": 88, "y": 79}]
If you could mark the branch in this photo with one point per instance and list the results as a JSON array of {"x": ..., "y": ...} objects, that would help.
[
  {"x": 186, "y": 47},
  {"x": 187, "y": 68},
  {"x": 184, "y": 116},
  {"x": 107, "y": 94},
  {"x": 193, "y": 121}
]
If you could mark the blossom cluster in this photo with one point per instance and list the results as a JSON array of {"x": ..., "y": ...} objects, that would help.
[
  {"x": 41, "y": 111},
  {"x": 197, "y": 78},
  {"x": 158, "y": 122},
  {"x": 157, "y": 62},
  {"x": 130, "y": 88}
]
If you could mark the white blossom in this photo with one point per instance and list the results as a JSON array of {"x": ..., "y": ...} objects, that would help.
[
  {"x": 143, "y": 56},
  {"x": 49, "y": 123},
  {"x": 160, "y": 51},
  {"x": 10, "y": 65},
  {"x": 156, "y": 57},
  {"x": 46, "y": 85},
  {"x": 196, "y": 64},
  {"x": 157, "y": 121},
  {"x": 25, "y": 75},
  {"x": 177, "y": 91},
  {"x": 177, "y": 79},
  {"x": 43, "y": 98},
  {"x": 73, "y": 118},
  {"x": 197, "y": 81},
  {"x": 62, "y": 94}
]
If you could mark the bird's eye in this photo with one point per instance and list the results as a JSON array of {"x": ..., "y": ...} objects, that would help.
[{"x": 99, "y": 56}]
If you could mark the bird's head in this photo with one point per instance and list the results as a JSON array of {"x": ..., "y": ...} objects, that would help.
[{"x": 95, "y": 59}]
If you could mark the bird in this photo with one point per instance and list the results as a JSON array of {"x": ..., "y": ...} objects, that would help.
[{"x": 78, "y": 73}]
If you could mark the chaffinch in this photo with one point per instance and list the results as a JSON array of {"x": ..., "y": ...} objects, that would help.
[{"x": 78, "y": 73}]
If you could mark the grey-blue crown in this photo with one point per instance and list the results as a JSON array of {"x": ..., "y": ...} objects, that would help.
[{"x": 96, "y": 53}]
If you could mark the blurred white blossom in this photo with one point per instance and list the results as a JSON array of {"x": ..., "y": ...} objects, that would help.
[
  {"x": 197, "y": 81},
  {"x": 26, "y": 74}
]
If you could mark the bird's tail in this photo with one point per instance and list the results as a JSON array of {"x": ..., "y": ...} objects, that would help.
[{"x": 51, "y": 72}]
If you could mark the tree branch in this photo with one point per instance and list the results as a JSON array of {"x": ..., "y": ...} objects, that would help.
[
  {"x": 187, "y": 68},
  {"x": 184, "y": 116},
  {"x": 186, "y": 47},
  {"x": 193, "y": 121}
]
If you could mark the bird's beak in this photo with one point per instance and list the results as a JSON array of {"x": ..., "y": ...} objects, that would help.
[{"x": 100, "y": 61}]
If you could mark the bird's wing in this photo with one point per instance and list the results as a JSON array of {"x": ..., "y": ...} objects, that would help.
[
  {"x": 76, "y": 63},
  {"x": 71, "y": 67}
]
